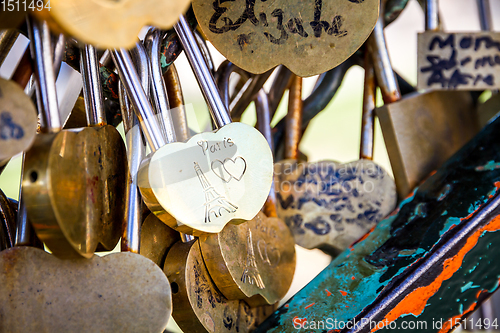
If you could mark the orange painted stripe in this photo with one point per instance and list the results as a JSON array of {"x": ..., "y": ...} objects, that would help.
[
  {"x": 307, "y": 307},
  {"x": 415, "y": 301}
]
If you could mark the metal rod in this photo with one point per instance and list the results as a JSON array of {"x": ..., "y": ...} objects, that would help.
[
  {"x": 369, "y": 105},
  {"x": 41, "y": 53},
  {"x": 139, "y": 100},
  {"x": 386, "y": 78},
  {"x": 92, "y": 89},
  {"x": 431, "y": 15},
  {"x": 203, "y": 75},
  {"x": 246, "y": 96},
  {"x": 7, "y": 39},
  {"x": 158, "y": 89},
  {"x": 264, "y": 126},
  {"x": 485, "y": 18},
  {"x": 176, "y": 99},
  {"x": 294, "y": 119},
  {"x": 24, "y": 229},
  {"x": 204, "y": 50},
  {"x": 135, "y": 154}
]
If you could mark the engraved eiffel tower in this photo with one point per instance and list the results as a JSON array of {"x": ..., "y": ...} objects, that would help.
[
  {"x": 214, "y": 202},
  {"x": 251, "y": 273}
]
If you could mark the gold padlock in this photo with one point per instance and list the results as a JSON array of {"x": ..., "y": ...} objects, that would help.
[{"x": 423, "y": 130}]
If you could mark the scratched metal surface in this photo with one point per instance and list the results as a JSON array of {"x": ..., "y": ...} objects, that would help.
[{"x": 447, "y": 224}]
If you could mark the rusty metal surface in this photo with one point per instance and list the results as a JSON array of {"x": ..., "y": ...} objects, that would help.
[
  {"x": 325, "y": 33},
  {"x": 254, "y": 261},
  {"x": 439, "y": 245},
  {"x": 72, "y": 183},
  {"x": 368, "y": 113},
  {"x": 121, "y": 292},
  {"x": 293, "y": 119}
]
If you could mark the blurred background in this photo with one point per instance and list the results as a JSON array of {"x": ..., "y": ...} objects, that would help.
[{"x": 334, "y": 134}]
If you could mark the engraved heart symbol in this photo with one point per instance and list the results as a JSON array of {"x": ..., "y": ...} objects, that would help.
[
  {"x": 181, "y": 182},
  {"x": 265, "y": 250},
  {"x": 220, "y": 171},
  {"x": 236, "y": 168}
]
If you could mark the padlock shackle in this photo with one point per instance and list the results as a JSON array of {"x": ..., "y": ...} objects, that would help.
[
  {"x": 485, "y": 18},
  {"x": 153, "y": 41},
  {"x": 293, "y": 119},
  {"x": 8, "y": 38},
  {"x": 223, "y": 75},
  {"x": 176, "y": 100},
  {"x": 41, "y": 53},
  {"x": 205, "y": 79},
  {"x": 140, "y": 101},
  {"x": 262, "y": 108},
  {"x": 386, "y": 78},
  {"x": 202, "y": 44},
  {"x": 431, "y": 15},
  {"x": 92, "y": 88},
  {"x": 368, "y": 113},
  {"x": 24, "y": 232},
  {"x": 136, "y": 152}
]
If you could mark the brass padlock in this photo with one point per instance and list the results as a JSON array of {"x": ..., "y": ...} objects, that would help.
[
  {"x": 308, "y": 37},
  {"x": 199, "y": 305},
  {"x": 421, "y": 130},
  {"x": 120, "y": 292},
  {"x": 216, "y": 177},
  {"x": 109, "y": 24},
  {"x": 254, "y": 261},
  {"x": 85, "y": 167}
]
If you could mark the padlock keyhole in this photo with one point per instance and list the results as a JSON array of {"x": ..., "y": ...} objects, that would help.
[
  {"x": 175, "y": 287},
  {"x": 33, "y": 176}
]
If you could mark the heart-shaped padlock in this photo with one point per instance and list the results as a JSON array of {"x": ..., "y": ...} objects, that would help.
[
  {"x": 110, "y": 24},
  {"x": 309, "y": 37},
  {"x": 71, "y": 179},
  {"x": 254, "y": 261},
  {"x": 199, "y": 186},
  {"x": 328, "y": 205},
  {"x": 121, "y": 292}
]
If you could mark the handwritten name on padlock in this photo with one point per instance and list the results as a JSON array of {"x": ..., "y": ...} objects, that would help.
[
  {"x": 18, "y": 120},
  {"x": 330, "y": 205},
  {"x": 247, "y": 31},
  {"x": 458, "y": 61},
  {"x": 210, "y": 180}
]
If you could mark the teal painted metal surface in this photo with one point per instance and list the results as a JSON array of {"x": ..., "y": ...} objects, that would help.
[{"x": 431, "y": 260}]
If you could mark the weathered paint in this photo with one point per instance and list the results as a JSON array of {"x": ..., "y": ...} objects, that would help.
[
  {"x": 415, "y": 302},
  {"x": 451, "y": 202}
]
